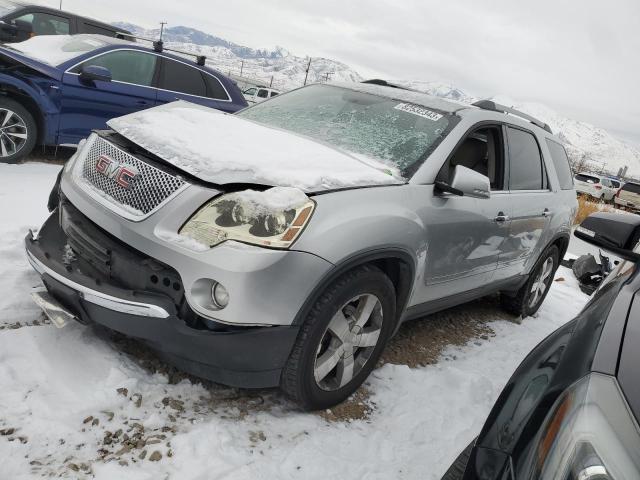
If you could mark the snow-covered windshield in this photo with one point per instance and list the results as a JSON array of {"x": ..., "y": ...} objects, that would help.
[
  {"x": 57, "y": 49},
  {"x": 396, "y": 133}
]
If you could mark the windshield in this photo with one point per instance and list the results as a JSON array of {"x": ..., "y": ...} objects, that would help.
[{"x": 397, "y": 134}]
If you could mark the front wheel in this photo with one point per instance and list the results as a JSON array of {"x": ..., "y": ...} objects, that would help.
[
  {"x": 18, "y": 131},
  {"x": 341, "y": 339},
  {"x": 528, "y": 299}
]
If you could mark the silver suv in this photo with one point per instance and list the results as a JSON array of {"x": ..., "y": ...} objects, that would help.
[{"x": 284, "y": 245}]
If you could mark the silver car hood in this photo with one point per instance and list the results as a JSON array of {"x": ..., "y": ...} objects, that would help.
[{"x": 220, "y": 148}]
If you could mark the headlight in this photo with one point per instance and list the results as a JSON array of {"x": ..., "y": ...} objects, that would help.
[
  {"x": 273, "y": 218},
  {"x": 590, "y": 434}
]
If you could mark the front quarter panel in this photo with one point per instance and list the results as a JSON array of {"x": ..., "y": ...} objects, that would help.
[{"x": 349, "y": 223}]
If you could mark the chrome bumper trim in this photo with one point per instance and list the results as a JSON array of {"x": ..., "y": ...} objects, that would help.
[{"x": 98, "y": 298}]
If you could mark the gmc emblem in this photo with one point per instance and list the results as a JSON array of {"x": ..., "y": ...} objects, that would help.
[{"x": 123, "y": 174}]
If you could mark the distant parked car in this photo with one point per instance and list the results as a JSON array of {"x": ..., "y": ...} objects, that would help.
[
  {"x": 20, "y": 21},
  {"x": 259, "y": 94},
  {"x": 628, "y": 197},
  {"x": 596, "y": 186},
  {"x": 56, "y": 89},
  {"x": 571, "y": 409}
]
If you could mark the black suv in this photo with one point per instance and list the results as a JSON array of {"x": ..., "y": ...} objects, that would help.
[
  {"x": 21, "y": 21},
  {"x": 571, "y": 409}
]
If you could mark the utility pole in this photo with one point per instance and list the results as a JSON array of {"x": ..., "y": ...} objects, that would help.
[
  {"x": 162, "y": 24},
  {"x": 241, "y": 67},
  {"x": 60, "y": 4},
  {"x": 307, "y": 71},
  {"x": 327, "y": 76},
  {"x": 271, "y": 82}
]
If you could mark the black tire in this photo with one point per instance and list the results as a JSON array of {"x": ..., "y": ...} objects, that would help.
[
  {"x": 31, "y": 130},
  {"x": 520, "y": 303},
  {"x": 459, "y": 465},
  {"x": 298, "y": 379}
]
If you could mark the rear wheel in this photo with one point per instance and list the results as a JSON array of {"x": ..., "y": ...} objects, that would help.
[
  {"x": 18, "y": 131},
  {"x": 341, "y": 339},
  {"x": 528, "y": 299}
]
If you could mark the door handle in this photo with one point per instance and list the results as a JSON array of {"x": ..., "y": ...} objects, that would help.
[
  {"x": 546, "y": 213},
  {"x": 501, "y": 218},
  {"x": 142, "y": 102}
]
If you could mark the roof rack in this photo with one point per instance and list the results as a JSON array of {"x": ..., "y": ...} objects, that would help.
[
  {"x": 496, "y": 107},
  {"x": 384, "y": 83},
  {"x": 158, "y": 46}
]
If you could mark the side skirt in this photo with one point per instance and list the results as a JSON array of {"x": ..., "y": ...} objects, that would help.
[{"x": 427, "y": 308}]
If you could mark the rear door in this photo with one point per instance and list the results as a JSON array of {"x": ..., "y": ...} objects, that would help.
[
  {"x": 88, "y": 105},
  {"x": 531, "y": 201},
  {"x": 181, "y": 81}
]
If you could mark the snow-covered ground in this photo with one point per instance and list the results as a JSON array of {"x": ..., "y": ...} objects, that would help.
[{"x": 74, "y": 404}]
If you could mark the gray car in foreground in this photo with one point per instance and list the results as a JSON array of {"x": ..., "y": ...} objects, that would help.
[{"x": 284, "y": 245}]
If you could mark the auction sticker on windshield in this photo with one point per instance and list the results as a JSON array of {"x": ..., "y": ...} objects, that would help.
[{"x": 418, "y": 110}]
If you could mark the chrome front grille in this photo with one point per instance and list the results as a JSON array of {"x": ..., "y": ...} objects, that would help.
[{"x": 150, "y": 188}]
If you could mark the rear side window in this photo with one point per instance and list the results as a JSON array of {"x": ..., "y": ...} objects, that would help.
[
  {"x": 215, "y": 89},
  {"x": 587, "y": 178},
  {"x": 615, "y": 183},
  {"x": 263, "y": 93},
  {"x": 526, "y": 170},
  {"x": 46, "y": 24},
  {"x": 632, "y": 187},
  {"x": 273, "y": 94},
  {"x": 561, "y": 162},
  {"x": 178, "y": 77}
]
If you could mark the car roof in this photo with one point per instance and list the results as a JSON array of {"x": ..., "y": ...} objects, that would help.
[{"x": 54, "y": 11}]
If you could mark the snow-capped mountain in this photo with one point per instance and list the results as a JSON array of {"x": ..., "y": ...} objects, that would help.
[
  {"x": 276, "y": 67},
  {"x": 588, "y": 146}
]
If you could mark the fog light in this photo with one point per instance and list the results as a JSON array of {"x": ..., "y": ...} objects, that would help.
[{"x": 219, "y": 295}]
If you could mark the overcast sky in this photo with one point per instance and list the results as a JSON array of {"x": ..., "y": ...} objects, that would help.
[{"x": 581, "y": 57}]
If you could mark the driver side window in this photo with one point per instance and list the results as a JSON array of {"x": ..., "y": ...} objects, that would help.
[
  {"x": 482, "y": 150},
  {"x": 128, "y": 66}
]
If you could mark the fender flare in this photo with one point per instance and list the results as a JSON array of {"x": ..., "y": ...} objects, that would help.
[{"x": 406, "y": 282}]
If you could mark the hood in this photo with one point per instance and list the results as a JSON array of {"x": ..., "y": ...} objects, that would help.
[
  {"x": 221, "y": 149},
  {"x": 14, "y": 57}
]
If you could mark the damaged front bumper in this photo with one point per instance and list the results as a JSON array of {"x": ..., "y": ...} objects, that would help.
[{"x": 77, "y": 290}]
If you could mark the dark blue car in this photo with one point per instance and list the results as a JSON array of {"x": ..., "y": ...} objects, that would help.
[{"x": 56, "y": 89}]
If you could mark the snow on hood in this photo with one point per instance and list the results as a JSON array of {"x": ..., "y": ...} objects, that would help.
[
  {"x": 57, "y": 49},
  {"x": 221, "y": 148}
]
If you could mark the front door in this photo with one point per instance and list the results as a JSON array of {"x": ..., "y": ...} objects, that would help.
[
  {"x": 466, "y": 235},
  {"x": 87, "y": 105}
]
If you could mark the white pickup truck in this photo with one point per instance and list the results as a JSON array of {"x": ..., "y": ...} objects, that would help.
[{"x": 259, "y": 94}]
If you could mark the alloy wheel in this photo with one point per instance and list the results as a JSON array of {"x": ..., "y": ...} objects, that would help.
[
  {"x": 541, "y": 282},
  {"x": 348, "y": 342},
  {"x": 13, "y": 132}
]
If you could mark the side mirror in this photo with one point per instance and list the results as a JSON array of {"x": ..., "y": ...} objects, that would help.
[
  {"x": 91, "y": 73},
  {"x": 467, "y": 183},
  {"x": 616, "y": 232}
]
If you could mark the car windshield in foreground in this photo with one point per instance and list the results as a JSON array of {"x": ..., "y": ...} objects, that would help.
[
  {"x": 372, "y": 128},
  {"x": 57, "y": 49}
]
